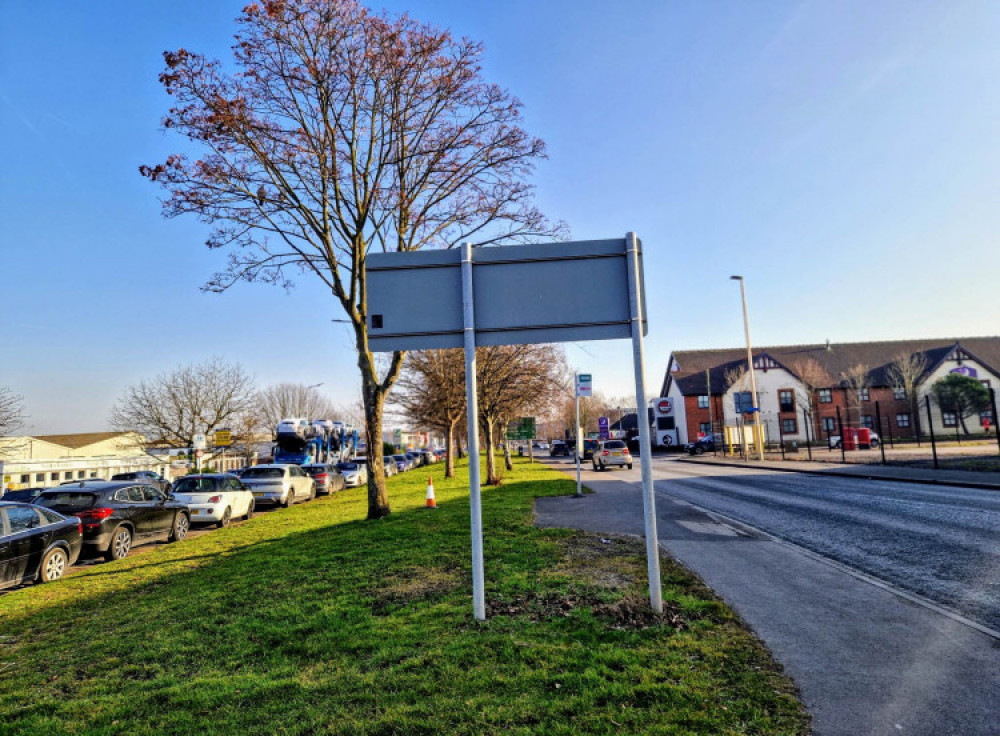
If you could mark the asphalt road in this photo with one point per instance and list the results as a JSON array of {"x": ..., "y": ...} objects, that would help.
[
  {"x": 868, "y": 656},
  {"x": 940, "y": 543}
]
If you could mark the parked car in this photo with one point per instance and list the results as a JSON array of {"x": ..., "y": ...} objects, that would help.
[
  {"x": 540, "y": 445},
  {"x": 611, "y": 453},
  {"x": 872, "y": 444},
  {"x": 355, "y": 474},
  {"x": 24, "y": 495},
  {"x": 279, "y": 484},
  {"x": 429, "y": 457},
  {"x": 559, "y": 448},
  {"x": 709, "y": 443},
  {"x": 146, "y": 476},
  {"x": 325, "y": 477},
  {"x": 588, "y": 449},
  {"x": 389, "y": 463},
  {"x": 215, "y": 498},
  {"x": 118, "y": 515},
  {"x": 36, "y": 544},
  {"x": 415, "y": 460},
  {"x": 403, "y": 463}
]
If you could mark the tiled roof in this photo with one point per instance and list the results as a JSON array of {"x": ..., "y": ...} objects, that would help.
[
  {"x": 76, "y": 441},
  {"x": 834, "y": 359}
]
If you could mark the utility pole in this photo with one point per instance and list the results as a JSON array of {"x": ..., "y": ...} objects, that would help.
[{"x": 758, "y": 445}]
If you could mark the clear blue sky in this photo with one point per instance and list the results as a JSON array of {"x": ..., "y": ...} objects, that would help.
[{"x": 843, "y": 157}]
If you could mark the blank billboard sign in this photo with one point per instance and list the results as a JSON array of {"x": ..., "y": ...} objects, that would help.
[{"x": 552, "y": 292}]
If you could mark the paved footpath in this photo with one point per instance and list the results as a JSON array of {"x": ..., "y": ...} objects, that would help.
[{"x": 866, "y": 660}]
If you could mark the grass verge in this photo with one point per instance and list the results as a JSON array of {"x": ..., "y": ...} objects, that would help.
[{"x": 314, "y": 621}]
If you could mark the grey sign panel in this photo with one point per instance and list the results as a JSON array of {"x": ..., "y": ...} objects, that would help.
[{"x": 553, "y": 292}]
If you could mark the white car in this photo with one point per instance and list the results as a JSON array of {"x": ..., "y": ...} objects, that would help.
[
  {"x": 280, "y": 484},
  {"x": 355, "y": 473},
  {"x": 215, "y": 498}
]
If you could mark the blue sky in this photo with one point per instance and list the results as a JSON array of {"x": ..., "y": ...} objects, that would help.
[{"x": 842, "y": 157}]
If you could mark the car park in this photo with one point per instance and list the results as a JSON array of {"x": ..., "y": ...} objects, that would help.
[
  {"x": 611, "y": 453},
  {"x": 118, "y": 515},
  {"x": 36, "y": 544},
  {"x": 215, "y": 498},
  {"x": 559, "y": 448},
  {"x": 325, "y": 477},
  {"x": 279, "y": 484},
  {"x": 146, "y": 476},
  {"x": 355, "y": 474}
]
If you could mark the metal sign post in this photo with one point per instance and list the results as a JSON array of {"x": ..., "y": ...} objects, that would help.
[{"x": 524, "y": 294}]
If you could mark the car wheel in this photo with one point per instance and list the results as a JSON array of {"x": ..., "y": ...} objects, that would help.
[
  {"x": 699, "y": 451},
  {"x": 227, "y": 516},
  {"x": 250, "y": 509},
  {"x": 121, "y": 543},
  {"x": 288, "y": 500},
  {"x": 53, "y": 565},
  {"x": 874, "y": 444},
  {"x": 312, "y": 494},
  {"x": 595, "y": 466},
  {"x": 180, "y": 529}
]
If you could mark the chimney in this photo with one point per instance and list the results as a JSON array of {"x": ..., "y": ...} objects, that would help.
[{"x": 828, "y": 348}]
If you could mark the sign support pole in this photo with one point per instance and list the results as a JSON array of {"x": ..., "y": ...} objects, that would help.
[
  {"x": 645, "y": 460},
  {"x": 576, "y": 390},
  {"x": 472, "y": 419}
]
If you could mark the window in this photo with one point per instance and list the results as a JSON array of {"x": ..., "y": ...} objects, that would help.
[
  {"x": 68, "y": 475},
  {"x": 26, "y": 478},
  {"x": 898, "y": 393},
  {"x": 151, "y": 494},
  {"x": 866, "y": 421},
  {"x": 902, "y": 420},
  {"x": 703, "y": 401},
  {"x": 788, "y": 426},
  {"x": 81, "y": 474},
  {"x": 54, "y": 476},
  {"x": 829, "y": 424},
  {"x": 786, "y": 400},
  {"x": 135, "y": 495},
  {"x": 949, "y": 418},
  {"x": 663, "y": 423},
  {"x": 21, "y": 519},
  {"x": 862, "y": 394},
  {"x": 39, "y": 477},
  {"x": 743, "y": 401},
  {"x": 825, "y": 396},
  {"x": 705, "y": 428}
]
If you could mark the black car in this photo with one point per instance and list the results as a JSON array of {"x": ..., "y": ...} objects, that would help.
[
  {"x": 36, "y": 543},
  {"x": 145, "y": 476},
  {"x": 118, "y": 515},
  {"x": 559, "y": 448},
  {"x": 705, "y": 444},
  {"x": 24, "y": 495}
]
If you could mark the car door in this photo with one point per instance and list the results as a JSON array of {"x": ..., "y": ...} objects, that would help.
[
  {"x": 238, "y": 499},
  {"x": 136, "y": 508},
  {"x": 28, "y": 540},
  {"x": 297, "y": 482},
  {"x": 5, "y": 547},
  {"x": 161, "y": 513}
]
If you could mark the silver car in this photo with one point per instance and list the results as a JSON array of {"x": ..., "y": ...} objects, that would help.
[
  {"x": 611, "y": 453},
  {"x": 279, "y": 484},
  {"x": 355, "y": 473}
]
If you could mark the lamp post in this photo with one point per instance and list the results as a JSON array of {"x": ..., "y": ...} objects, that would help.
[{"x": 758, "y": 445}]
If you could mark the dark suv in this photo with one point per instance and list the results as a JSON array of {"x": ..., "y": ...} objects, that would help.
[
  {"x": 559, "y": 448},
  {"x": 118, "y": 515}
]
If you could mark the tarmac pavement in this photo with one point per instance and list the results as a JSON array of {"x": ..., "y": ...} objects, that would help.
[{"x": 867, "y": 659}]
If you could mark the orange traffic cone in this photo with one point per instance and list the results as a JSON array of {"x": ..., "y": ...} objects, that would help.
[{"x": 431, "y": 503}]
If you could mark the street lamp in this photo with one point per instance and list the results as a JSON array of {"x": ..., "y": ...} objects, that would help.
[{"x": 758, "y": 445}]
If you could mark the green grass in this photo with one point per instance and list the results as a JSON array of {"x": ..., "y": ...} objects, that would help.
[{"x": 313, "y": 621}]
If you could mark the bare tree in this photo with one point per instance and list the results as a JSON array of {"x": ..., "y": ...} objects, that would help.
[
  {"x": 341, "y": 132},
  {"x": 511, "y": 380},
  {"x": 812, "y": 377},
  {"x": 294, "y": 400},
  {"x": 431, "y": 393},
  {"x": 857, "y": 380},
  {"x": 12, "y": 416},
  {"x": 172, "y": 408},
  {"x": 905, "y": 373}
]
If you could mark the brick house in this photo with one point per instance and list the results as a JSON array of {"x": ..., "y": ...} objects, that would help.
[{"x": 881, "y": 385}]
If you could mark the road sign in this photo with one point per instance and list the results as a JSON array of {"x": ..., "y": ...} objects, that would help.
[
  {"x": 522, "y": 429},
  {"x": 603, "y": 428},
  {"x": 523, "y": 294},
  {"x": 223, "y": 438},
  {"x": 199, "y": 442},
  {"x": 199, "y": 452},
  {"x": 584, "y": 384}
]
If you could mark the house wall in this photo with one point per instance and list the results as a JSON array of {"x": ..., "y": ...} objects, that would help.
[
  {"x": 947, "y": 367},
  {"x": 769, "y": 382}
]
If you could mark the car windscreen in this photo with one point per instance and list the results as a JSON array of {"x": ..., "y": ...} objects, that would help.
[
  {"x": 193, "y": 485},
  {"x": 125, "y": 476},
  {"x": 314, "y": 469},
  {"x": 590, "y": 443},
  {"x": 614, "y": 445},
  {"x": 67, "y": 500},
  {"x": 399, "y": 458},
  {"x": 25, "y": 495},
  {"x": 263, "y": 473},
  {"x": 347, "y": 466}
]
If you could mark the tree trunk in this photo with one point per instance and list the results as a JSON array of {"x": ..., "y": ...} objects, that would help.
[
  {"x": 961, "y": 420},
  {"x": 378, "y": 496},
  {"x": 507, "y": 462},
  {"x": 449, "y": 446},
  {"x": 492, "y": 479}
]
